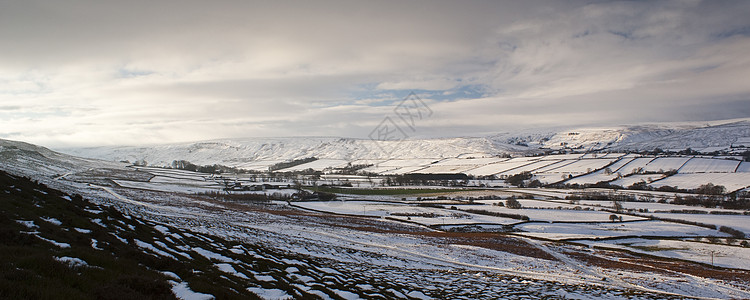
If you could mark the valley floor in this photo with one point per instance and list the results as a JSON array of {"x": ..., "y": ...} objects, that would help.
[{"x": 430, "y": 263}]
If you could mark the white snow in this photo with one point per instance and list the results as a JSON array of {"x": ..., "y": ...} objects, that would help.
[
  {"x": 150, "y": 247},
  {"x": 269, "y": 294},
  {"x": 634, "y": 165},
  {"x": 211, "y": 255},
  {"x": 52, "y": 221},
  {"x": 227, "y": 268},
  {"x": 663, "y": 164},
  {"x": 708, "y": 165},
  {"x": 731, "y": 181},
  {"x": 718, "y": 254},
  {"x": 633, "y": 179},
  {"x": 72, "y": 262},
  {"x": 82, "y": 230},
  {"x": 614, "y": 229},
  {"x": 28, "y": 224},
  {"x": 182, "y": 291},
  {"x": 58, "y": 244},
  {"x": 739, "y": 222}
]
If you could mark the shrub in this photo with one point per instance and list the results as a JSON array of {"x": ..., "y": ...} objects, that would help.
[
  {"x": 734, "y": 232},
  {"x": 512, "y": 203}
]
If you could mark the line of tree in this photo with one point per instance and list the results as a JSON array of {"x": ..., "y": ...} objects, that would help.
[
  {"x": 211, "y": 169},
  {"x": 496, "y": 214},
  {"x": 289, "y": 164}
]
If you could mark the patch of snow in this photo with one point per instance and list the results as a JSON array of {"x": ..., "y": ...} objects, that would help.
[
  {"x": 52, "y": 221},
  {"x": 72, "y": 261},
  {"x": 171, "y": 275},
  {"x": 345, "y": 294},
  {"x": 227, "y": 268},
  {"x": 162, "y": 229},
  {"x": 182, "y": 291},
  {"x": 95, "y": 244},
  {"x": 418, "y": 295},
  {"x": 28, "y": 224},
  {"x": 61, "y": 245},
  {"x": 265, "y": 278},
  {"x": 82, "y": 230},
  {"x": 211, "y": 255},
  {"x": 269, "y": 294},
  {"x": 148, "y": 246},
  {"x": 99, "y": 222}
]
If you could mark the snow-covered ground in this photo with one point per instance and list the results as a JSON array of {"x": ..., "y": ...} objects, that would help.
[
  {"x": 559, "y": 231},
  {"x": 731, "y": 181},
  {"x": 426, "y": 261},
  {"x": 714, "y": 254},
  {"x": 708, "y": 165}
]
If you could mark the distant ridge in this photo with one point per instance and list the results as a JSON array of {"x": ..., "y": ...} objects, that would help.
[{"x": 698, "y": 136}]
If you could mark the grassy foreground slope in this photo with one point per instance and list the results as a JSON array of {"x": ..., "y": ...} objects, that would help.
[{"x": 58, "y": 246}]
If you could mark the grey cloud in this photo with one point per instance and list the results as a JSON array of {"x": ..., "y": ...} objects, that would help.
[{"x": 180, "y": 70}]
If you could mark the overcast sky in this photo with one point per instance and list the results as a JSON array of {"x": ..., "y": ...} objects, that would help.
[{"x": 76, "y": 73}]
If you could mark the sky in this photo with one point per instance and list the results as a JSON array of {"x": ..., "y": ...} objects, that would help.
[{"x": 88, "y": 73}]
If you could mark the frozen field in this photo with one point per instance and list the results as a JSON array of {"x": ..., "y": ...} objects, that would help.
[
  {"x": 547, "y": 178},
  {"x": 406, "y": 162},
  {"x": 258, "y": 165},
  {"x": 469, "y": 161},
  {"x": 615, "y": 167},
  {"x": 634, "y": 165},
  {"x": 654, "y": 206},
  {"x": 422, "y": 215},
  {"x": 554, "y": 166},
  {"x": 603, "y": 155},
  {"x": 528, "y": 167},
  {"x": 719, "y": 255},
  {"x": 663, "y": 164},
  {"x": 499, "y": 167},
  {"x": 583, "y": 166},
  {"x": 598, "y": 176},
  {"x": 168, "y": 187},
  {"x": 403, "y": 170},
  {"x": 552, "y": 215},
  {"x": 632, "y": 179},
  {"x": 445, "y": 169},
  {"x": 562, "y": 231},
  {"x": 741, "y": 223},
  {"x": 709, "y": 165},
  {"x": 731, "y": 181},
  {"x": 317, "y": 165}
]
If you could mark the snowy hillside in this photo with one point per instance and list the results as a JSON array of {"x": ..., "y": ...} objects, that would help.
[
  {"x": 706, "y": 136},
  {"x": 239, "y": 152},
  {"x": 26, "y": 158}
]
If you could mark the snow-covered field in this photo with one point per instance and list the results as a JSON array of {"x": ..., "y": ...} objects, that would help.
[
  {"x": 317, "y": 165},
  {"x": 634, "y": 165},
  {"x": 551, "y": 214},
  {"x": 708, "y": 165},
  {"x": 633, "y": 179},
  {"x": 423, "y": 260},
  {"x": 714, "y": 254},
  {"x": 422, "y": 215},
  {"x": 663, "y": 164},
  {"x": 495, "y": 168},
  {"x": 563, "y": 231},
  {"x": 581, "y": 166},
  {"x": 528, "y": 167},
  {"x": 737, "y": 222},
  {"x": 731, "y": 181}
]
